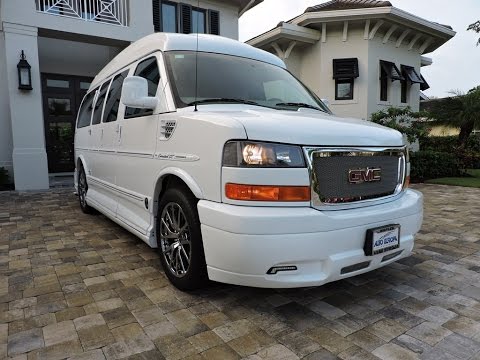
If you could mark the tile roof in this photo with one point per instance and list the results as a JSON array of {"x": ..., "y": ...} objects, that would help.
[{"x": 347, "y": 5}]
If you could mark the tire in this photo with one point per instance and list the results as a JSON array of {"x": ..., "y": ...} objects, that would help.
[
  {"x": 180, "y": 239},
  {"x": 82, "y": 192}
]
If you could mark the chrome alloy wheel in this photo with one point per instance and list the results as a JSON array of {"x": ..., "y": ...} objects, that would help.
[
  {"x": 175, "y": 239},
  {"x": 82, "y": 189}
]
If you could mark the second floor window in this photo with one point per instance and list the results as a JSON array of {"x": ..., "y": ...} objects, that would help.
[{"x": 169, "y": 16}]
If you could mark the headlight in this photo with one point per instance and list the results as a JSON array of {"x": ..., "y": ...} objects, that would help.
[{"x": 257, "y": 154}]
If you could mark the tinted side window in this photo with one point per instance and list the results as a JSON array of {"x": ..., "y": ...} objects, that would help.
[
  {"x": 147, "y": 69},
  {"x": 97, "y": 112},
  {"x": 85, "y": 112},
  {"x": 113, "y": 98}
]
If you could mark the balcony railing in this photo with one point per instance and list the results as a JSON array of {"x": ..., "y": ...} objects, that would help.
[{"x": 114, "y": 12}]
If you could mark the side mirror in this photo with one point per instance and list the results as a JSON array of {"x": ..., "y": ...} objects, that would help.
[
  {"x": 135, "y": 94},
  {"x": 326, "y": 102}
]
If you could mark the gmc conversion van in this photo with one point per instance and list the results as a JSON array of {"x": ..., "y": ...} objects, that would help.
[{"x": 237, "y": 172}]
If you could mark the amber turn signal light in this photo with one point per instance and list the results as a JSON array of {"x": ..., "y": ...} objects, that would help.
[
  {"x": 407, "y": 182},
  {"x": 267, "y": 192}
]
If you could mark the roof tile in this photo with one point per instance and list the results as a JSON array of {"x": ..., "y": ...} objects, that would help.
[{"x": 347, "y": 5}]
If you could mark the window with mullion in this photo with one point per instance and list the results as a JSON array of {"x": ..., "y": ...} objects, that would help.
[
  {"x": 383, "y": 85},
  {"x": 169, "y": 17},
  {"x": 173, "y": 17},
  {"x": 199, "y": 21},
  {"x": 344, "y": 89}
]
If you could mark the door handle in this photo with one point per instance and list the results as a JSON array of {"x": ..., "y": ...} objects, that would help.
[
  {"x": 89, "y": 131},
  {"x": 101, "y": 135}
]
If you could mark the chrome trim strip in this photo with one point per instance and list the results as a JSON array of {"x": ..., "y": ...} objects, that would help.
[
  {"x": 318, "y": 201},
  {"x": 116, "y": 189}
]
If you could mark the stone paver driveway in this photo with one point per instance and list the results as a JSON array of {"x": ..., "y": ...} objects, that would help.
[{"x": 80, "y": 287}]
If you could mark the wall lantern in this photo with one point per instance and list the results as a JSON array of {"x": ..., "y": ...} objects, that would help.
[{"x": 24, "y": 73}]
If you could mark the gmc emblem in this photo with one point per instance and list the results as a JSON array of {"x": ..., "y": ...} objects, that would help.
[{"x": 360, "y": 176}]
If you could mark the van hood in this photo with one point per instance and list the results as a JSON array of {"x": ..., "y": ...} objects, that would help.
[{"x": 309, "y": 127}]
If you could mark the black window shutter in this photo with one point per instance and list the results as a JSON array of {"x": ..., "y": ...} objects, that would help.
[
  {"x": 156, "y": 16},
  {"x": 185, "y": 18},
  {"x": 345, "y": 68},
  {"x": 214, "y": 21},
  {"x": 424, "y": 86}
]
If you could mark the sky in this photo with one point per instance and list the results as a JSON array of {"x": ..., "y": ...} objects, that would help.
[{"x": 456, "y": 65}]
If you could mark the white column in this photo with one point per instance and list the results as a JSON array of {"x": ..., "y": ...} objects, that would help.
[{"x": 30, "y": 167}]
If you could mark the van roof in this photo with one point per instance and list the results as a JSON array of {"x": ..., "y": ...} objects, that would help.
[{"x": 179, "y": 42}]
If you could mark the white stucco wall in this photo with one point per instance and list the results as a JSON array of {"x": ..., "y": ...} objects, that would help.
[
  {"x": 228, "y": 15},
  {"x": 24, "y": 12},
  {"x": 313, "y": 65},
  {"x": 6, "y": 145},
  {"x": 140, "y": 19},
  {"x": 400, "y": 56},
  {"x": 26, "y": 111}
]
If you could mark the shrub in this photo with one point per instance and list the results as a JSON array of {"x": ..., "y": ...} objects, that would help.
[
  {"x": 3, "y": 176},
  {"x": 468, "y": 159},
  {"x": 409, "y": 123},
  {"x": 448, "y": 143},
  {"x": 426, "y": 165}
]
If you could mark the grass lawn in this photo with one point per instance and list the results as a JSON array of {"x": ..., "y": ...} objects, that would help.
[{"x": 463, "y": 181}]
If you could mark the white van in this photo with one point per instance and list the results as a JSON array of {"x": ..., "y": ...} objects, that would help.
[{"x": 236, "y": 171}]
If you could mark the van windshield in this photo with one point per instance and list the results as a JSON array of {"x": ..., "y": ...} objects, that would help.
[{"x": 232, "y": 79}]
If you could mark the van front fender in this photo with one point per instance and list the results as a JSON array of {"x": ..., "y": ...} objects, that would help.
[{"x": 184, "y": 176}]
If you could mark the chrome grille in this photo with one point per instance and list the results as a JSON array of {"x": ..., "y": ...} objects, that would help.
[{"x": 330, "y": 170}]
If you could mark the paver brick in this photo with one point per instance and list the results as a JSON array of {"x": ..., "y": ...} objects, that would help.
[
  {"x": 25, "y": 341},
  {"x": 78, "y": 286}
]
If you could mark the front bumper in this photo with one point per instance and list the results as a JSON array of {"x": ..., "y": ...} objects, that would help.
[{"x": 242, "y": 243}]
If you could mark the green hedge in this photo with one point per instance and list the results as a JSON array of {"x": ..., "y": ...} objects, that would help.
[
  {"x": 426, "y": 165},
  {"x": 468, "y": 159},
  {"x": 448, "y": 143}
]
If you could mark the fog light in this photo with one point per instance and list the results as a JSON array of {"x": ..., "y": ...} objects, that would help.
[{"x": 275, "y": 269}]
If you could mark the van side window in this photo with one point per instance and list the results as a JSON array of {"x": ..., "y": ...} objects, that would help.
[
  {"x": 85, "y": 112},
  {"x": 113, "y": 98},
  {"x": 148, "y": 69},
  {"x": 97, "y": 112}
]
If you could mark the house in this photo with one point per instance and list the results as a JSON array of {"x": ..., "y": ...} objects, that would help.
[
  {"x": 360, "y": 55},
  {"x": 50, "y": 50}
]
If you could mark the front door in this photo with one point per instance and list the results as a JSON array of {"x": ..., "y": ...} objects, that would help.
[{"x": 62, "y": 96}]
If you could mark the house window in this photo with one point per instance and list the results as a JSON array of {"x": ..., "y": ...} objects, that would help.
[
  {"x": 410, "y": 76},
  {"x": 344, "y": 89},
  {"x": 405, "y": 90},
  {"x": 345, "y": 71},
  {"x": 175, "y": 17},
  {"x": 388, "y": 72},
  {"x": 199, "y": 21},
  {"x": 169, "y": 17}
]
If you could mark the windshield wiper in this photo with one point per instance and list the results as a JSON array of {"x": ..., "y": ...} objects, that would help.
[
  {"x": 224, "y": 100},
  {"x": 300, "y": 105}
]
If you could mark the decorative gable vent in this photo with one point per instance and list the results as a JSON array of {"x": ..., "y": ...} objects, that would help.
[{"x": 167, "y": 128}]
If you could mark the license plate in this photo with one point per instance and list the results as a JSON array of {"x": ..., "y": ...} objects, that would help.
[{"x": 382, "y": 239}]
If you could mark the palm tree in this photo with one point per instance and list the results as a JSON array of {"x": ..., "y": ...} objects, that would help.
[
  {"x": 460, "y": 110},
  {"x": 475, "y": 27}
]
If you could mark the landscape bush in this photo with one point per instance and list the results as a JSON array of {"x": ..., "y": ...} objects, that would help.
[
  {"x": 449, "y": 143},
  {"x": 426, "y": 165}
]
